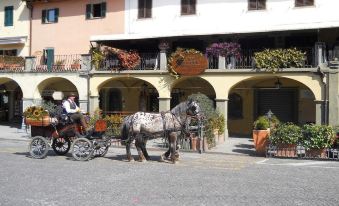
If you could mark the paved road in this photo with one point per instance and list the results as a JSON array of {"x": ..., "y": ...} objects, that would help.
[{"x": 198, "y": 179}]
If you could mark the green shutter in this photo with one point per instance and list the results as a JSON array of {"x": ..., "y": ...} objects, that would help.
[
  {"x": 43, "y": 16},
  {"x": 56, "y": 15},
  {"x": 9, "y": 15},
  {"x": 88, "y": 11},
  {"x": 49, "y": 58},
  {"x": 103, "y": 9}
]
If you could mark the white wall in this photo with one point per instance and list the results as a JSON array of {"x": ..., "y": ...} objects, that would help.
[
  {"x": 20, "y": 25},
  {"x": 229, "y": 16}
]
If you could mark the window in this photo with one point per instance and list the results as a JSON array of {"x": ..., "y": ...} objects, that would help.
[
  {"x": 50, "y": 16},
  {"x": 299, "y": 3},
  {"x": 144, "y": 9},
  {"x": 234, "y": 106},
  {"x": 188, "y": 7},
  {"x": 9, "y": 52},
  {"x": 256, "y": 4},
  {"x": 9, "y": 15},
  {"x": 96, "y": 10}
]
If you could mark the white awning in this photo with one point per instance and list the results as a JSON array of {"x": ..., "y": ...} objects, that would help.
[{"x": 13, "y": 40}]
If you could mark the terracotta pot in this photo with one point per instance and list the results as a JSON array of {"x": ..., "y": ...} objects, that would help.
[
  {"x": 194, "y": 142},
  {"x": 286, "y": 150},
  {"x": 45, "y": 121},
  {"x": 316, "y": 153},
  {"x": 260, "y": 138}
]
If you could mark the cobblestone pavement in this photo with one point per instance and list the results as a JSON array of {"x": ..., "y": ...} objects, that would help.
[{"x": 197, "y": 179}]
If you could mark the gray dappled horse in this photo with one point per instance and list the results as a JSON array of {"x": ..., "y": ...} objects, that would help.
[{"x": 141, "y": 125}]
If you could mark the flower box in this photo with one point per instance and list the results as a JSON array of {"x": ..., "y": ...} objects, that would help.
[{"x": 44, "y": 121}]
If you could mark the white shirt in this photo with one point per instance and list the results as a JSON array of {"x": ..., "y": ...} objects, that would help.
[{"x": 66, "y": 104}]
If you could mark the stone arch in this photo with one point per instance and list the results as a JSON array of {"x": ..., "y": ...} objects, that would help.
[
  {"x": 136, "y": 94},
  {"x": 276, "y": 92},
  {"x": 11, "y": 95},
  {"x": 185, "y": 86}
]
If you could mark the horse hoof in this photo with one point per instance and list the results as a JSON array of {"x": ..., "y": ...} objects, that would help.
[
  {"x": 161, "y": 159},
  {"x": 142, "y": 160}
]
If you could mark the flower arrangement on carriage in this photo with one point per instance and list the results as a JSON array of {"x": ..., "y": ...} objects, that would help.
[{"x": 36, "y": 116}]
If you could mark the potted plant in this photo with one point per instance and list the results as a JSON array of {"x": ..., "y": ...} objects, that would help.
[
  {"x": 274, "y": 59},
  {"x": 285, "y": 137},
  {"x": 316, "y": 138},
  {"x": 75, "y": 64},
  {"x": 261, "y": 131},
  {"x": 59, "y": 65},
  {"x": 209, "y": 113},
  {"x": 36, "y": 116}
]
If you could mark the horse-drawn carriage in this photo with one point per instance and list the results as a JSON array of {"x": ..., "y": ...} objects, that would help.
[
  {"x": 138, "y": 126},
  {"x": 62, "y": 134}
]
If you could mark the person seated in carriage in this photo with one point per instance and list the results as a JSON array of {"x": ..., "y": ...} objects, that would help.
[{"x": 73, "y": 111}]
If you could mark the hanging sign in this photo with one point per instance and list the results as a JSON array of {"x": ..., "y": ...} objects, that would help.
[{"x": 189, "y": 64}]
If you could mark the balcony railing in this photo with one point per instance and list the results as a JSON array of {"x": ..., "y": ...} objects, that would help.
[
  {"x": 12, "y": 64},
  {"x": 148, "y": 61},
  {"x": 246, "y": 60},
  {"x": 59, "y": 63}
]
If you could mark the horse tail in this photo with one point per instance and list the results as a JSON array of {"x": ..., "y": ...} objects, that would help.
[{"x": 125, "y": 128}]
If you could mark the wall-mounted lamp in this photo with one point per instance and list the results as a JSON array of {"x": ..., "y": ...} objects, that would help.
[{"x": 278, "y": 84}]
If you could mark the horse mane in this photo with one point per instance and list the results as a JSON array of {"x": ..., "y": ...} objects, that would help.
[{"x": 180, "y": 108}]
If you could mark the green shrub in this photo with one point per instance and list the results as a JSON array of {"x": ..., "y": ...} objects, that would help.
[
  {"x": 317, "y": 136},
  {"x": 286, "y": 133},
  {"x": 261, "y": 123},
  {"x": 274, "y": 59}
]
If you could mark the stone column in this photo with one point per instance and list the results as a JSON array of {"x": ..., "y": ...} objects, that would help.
[
  {"x": 222, "y": 108},
  {"x": 30, "y": 63},
  {"x": 10, "y": 105},
  {"x": 26, "y": 102},
  {"x": 164, "y": 103},
  {"x": 319, "y": 112},
  {"x": 221, "y": 62},
  {"x": 163, "y": 46},
  {"x": 86, "y": 62},
  {"x": 83, "y": 105},
  {"x": 93, "y": 103},
  {"x": 333, "y": 98}
]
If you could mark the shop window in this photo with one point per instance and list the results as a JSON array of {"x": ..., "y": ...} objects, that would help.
[
  {"x": 235, "y": 106},
  {"x": 96, "y": 10},
  {"x": 9, "y": 52},
  {"x": 256, "y": 4},
  {"x": 50, "y": 16},
  {"x": 9, "y": 15},
  {"x": 188, "y": 7},
  {"x": 144, "y": 9},
  {"x": 300, "y": 3}
]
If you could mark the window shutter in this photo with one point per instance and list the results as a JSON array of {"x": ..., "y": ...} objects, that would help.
[
  {"x": 193, "y": 7},
  {"x": 56, "y": 15},
  {"x": 184, "y": 6},
  {"x": 141, "y": 9},
  {"x": 103, "y": 9},
  {"x": 9, "y": 16},
  {"x": 88, "y": 11},
  {"x": 148, "y": 8},
  {"x": 49, "y": 58},
  {"x": 43, "y": 16}
]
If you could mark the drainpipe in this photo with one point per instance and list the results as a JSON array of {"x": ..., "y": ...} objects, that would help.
[
  {"x": 323, "y": 74},
  {"x": 30, "y": 7}
]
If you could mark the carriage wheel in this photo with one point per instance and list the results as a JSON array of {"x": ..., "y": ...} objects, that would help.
[
  {"x": 38, "y": 147},
  {"x": 61, "y": 145},
  {"x": 100, "y": 151},
  {"x": 82, "y": 149}
]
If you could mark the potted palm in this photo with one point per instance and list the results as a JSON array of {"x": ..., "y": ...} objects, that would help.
[{"x": 285, "y": 137}]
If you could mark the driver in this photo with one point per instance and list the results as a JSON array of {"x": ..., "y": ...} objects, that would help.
[{"x": 74, "y": 112}]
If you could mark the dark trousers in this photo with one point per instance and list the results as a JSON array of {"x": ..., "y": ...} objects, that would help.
[{"x": 78, "y": 117}]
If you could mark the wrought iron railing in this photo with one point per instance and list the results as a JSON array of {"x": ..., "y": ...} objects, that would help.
[
  {"x": 59, "y": 63},
  {"x": 301, "y": 152},
  {"x": 12, "y": 64},
  {"x": 148, "y": 61}
]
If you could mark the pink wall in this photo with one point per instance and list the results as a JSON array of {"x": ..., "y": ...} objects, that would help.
[{"x": 71, "y": 34}]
